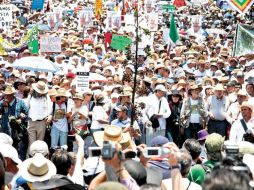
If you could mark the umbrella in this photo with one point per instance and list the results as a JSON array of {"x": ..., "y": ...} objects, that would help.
[
  {"x": 42, "y": 27},
  {"x": 95, "y": 77},
  {"x": 192, "y": 51},
  {"x": 36, "y": 64},
  {"x": 216, "y": 31}
]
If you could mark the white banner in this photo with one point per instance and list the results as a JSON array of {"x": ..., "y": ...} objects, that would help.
[
  {"x": 153, "y": 20},
  {"x": 50, "y": 44},
  {"x": 5, "y": 16},
  {"x": 82, "y": 81}
]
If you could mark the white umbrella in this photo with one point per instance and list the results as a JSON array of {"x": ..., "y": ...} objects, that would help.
[
  {"x": 36, "y": 64},
  {"x": 95, "y": 77},
  {"x": 216, "y": 31}
]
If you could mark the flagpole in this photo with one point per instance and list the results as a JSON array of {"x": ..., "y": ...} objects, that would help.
[
  {"x": 136, "y": 69},
  {"x": 234, "y": 48}
]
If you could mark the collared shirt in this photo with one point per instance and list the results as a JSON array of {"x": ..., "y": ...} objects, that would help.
[
  {"x": 237, "y": 131},
  {"x": 218, "y": 107},
  {"x": 233, "y": 113},
  {"x": 39, "y": 108},
  {"x": 98, "y": 114},
  {"x": 124, "y": 123},
  {"x": 153, "y": 108}
]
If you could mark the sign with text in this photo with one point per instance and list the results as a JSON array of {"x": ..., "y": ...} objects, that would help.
[
  {"x": 50, "y": 44},
  {"x": 5, "y": 16},
  {"x": 37, "y": 4},
  {"x": 120, "y": 42},
  {"x": 82, "y": 81}
]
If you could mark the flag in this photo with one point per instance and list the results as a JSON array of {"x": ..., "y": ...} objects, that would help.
[
  {"x": 244, "y": 40},
  {"x": 173, "y": 33},
  {"x": 242, "y": 6},
  {"x": 33, "y": 44}
]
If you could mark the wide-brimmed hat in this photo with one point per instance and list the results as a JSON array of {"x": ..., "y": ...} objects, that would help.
[
  {"x": 207, "y": 79},
  {"x": 61, "y": 92},
  {"x": 219, "y": 87},
  {"x": 247, "y": 104},
  {"x": 202, "y": 134},
  {"x": 175, "y": 92},
  {"x": 9, "y": 90},
  {"x": 9, "y": 151},
  {"x": 40, "y": 87},
  {"x": 37, "y": 168},
  {"x": 194, "y": 87},
  {"x": 78, "y": 96},
  {"x": 18, "y": 82},
  {"x": 112, "y": 133}
]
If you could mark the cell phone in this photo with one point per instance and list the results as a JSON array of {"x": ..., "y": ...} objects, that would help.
[
  {"x": 71, "y": 138},
  {"x": 152, "y": 152},
  {"x": 94, "y": 151}
]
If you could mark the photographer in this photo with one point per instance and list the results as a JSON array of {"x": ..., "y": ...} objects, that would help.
[
  {"x": 14, "y": 114},
  {"x": 241, "y": 126}
]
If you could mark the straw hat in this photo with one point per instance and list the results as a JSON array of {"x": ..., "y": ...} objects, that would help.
[
  {"x": 61, "y": 92},
  {"x": 78, "y": 96},
  {"x": 247, "y": 104},
  {"x": 40, "y": 87},
  {"x": 207, "y": 79},
  {"x": 9, "y": 90},
  {"x": 37, "y": 168},
  {"x": 52, "y": 92},
  {"x": 219, "y": 87},
  {"x": 112, "y": 133}
]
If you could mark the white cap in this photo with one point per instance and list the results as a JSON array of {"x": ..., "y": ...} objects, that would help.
[
  {"x": 114, "y": 95},
  {"x": 38, "y": 147},
  {"x": 10, "y": 152},
  {"x": 161, "y": 88},
  {"x": 5, "y": 139}
]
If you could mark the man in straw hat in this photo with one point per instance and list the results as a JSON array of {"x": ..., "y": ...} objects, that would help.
[
  {"x": 241, "y": 126},
  {"x": 217, "y": 108},
  {"x": 40, "y": 108},
  {"x": 14, "y": 113}
]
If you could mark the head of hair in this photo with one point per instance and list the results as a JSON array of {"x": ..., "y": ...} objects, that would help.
[
  {"x": 150, "y": 187},
  {"x": 226, "y": 179},
  {"x": 62, "y": 161},
  {"x": 193, "y": 147},
  {"x": 185, "y": 160}
]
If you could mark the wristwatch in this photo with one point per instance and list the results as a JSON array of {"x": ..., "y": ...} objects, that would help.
[{"x": 178, "y": 166}]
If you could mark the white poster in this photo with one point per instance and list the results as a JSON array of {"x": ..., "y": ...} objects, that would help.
[
  {"x": 5, "y": 16},
  {"x": 153, "y": 20},
  {"x": 113, "y": 20},
  {"x": 50, "y": 44},
  {"x": 86, "y": 18},
  {"x": 82, "y": 81}
]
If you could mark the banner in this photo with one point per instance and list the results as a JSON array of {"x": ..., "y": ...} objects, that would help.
[
  {"x": 153, "y": 20},
  {"x": 33, "y": 44},
  {"x": 37, "y": 4},
  {"x": 50, "y": 44},
  {"x": 242, "y": 6},
  {"x": 120, "y": 42},
  {"x": 244, "y": 40},
  {"x": 82, "y": 81},
  {"x": 5, "y": 16},
  {"x": 86, "y": 18},
  {"x": 98, "y": 7}
]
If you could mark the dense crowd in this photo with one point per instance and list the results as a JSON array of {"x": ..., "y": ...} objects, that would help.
[{"x": 163, "y": 116}]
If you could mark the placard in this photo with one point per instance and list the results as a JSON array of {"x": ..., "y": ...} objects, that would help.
[
  {"x": 37, "y": 4},
  {"x": 5, "y": 16},
  {"x": 153, "y": 20},
  {"x": 82, "y": 81},
  {"x": 120, "y": 42},
  {"x": 50, "y": 44}
]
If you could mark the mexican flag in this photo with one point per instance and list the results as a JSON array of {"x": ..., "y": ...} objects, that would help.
[
  {"x": 244, "y": 40},
  {"x": 33, "y": 43},
  {"x": 173, "y": 33},
  {"x": 242, "y": 6}
]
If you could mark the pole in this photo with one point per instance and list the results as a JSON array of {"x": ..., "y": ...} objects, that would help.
[
  {"x": 235, "y": 40},
  {"x": 136, "y": 70}
]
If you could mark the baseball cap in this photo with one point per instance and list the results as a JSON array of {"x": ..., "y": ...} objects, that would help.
[
  {"x": 5, "y": 139},
  {"x": 161, "y": 88},
  {"x": 159, "y": 141},
  {"x": 9, "y": 151},
  {"x": 39, "y": 147}
]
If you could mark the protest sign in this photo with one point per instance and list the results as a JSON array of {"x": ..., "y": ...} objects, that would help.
[
  {"x": 120, "y": 42},
  {"x": 82, "y": 81},
  {"x": 169, "y": 8},
  {"x": 50, "y": 44},
  {"x": 85, "y": 18},
  {"x": 153, "y": 20},
  {"x": 5, "y": 16},
  {"x": 244, "y": 40},
  {"x": 37, "y": 4}
]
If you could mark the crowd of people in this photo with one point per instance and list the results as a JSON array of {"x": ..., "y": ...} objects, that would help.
[{"x": 191, "y": 125}]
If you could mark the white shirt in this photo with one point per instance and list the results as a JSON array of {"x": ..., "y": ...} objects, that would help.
[
  {"x": 39, "y": 108},
  {"x": 217, "y": 107},
  {"x": 237, "y": 131},
  {"x": 198, "y": 74},
  {"x": 233, "y": 113},
  {"x": 193, "y": 186},
  {"x": 98, "y": 114},
  {"x": 153, "y": 108}
]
